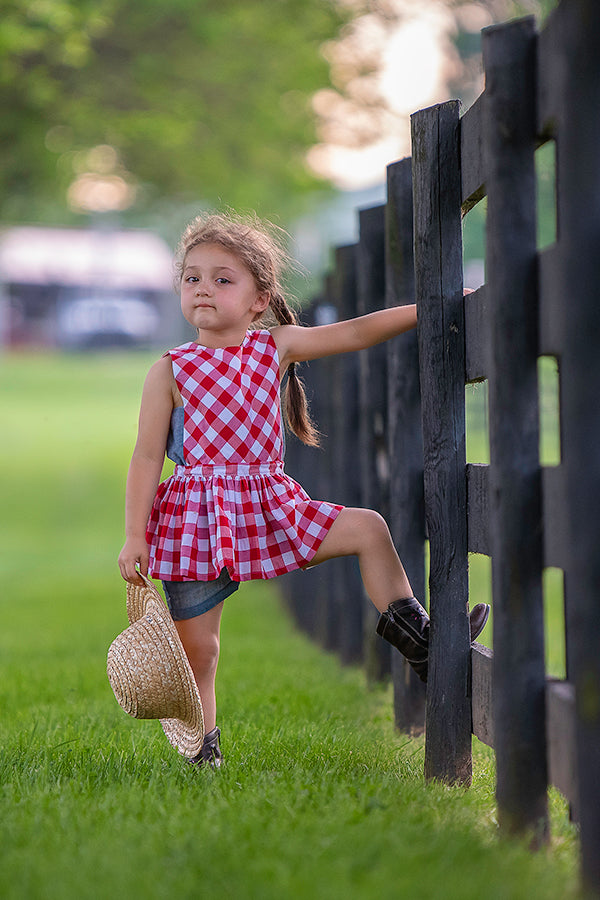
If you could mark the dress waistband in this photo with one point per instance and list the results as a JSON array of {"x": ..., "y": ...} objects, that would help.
[{"x": 233, "y": 470}]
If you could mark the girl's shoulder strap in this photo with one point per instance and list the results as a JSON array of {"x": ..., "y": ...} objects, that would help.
[
  {"x": 261, "y": 341},
  {"x": 260, "y": 336},
  {"x": 174, "y": 352}
]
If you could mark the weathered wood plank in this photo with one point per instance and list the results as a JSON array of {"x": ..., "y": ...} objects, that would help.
[
  {"x": 515, "y": 478},
  {"x": 551, "y": 305},
  {"x": 551, "y": 64},
  {"x": 554, "y": 502},
  {"x": 373, "y": 409},
  {"x": 476, "y": 334},
  {"x": 471, "y": 155},
  {"x": 318, "y": 478},
  {"x": 438, "y": 281},
  {"x": 478, "y": 528},
  {"x": 405, "y": 442},
  {"x": 560, "y": 722},
  {"x": 347, "y": 588},
  {"x": 560, "y": 738},
  {"x": 331, "y": 402},
  {"x": 579, "y": 220},
  {"x": 482, "y": 693},
  {"x": 307, "y": 590}
]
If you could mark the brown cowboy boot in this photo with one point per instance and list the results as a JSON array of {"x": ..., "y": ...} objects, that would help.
[{"x": 405, "y": 625}]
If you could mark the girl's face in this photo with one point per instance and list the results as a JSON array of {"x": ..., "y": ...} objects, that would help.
[{"x": 219, "y": 296}]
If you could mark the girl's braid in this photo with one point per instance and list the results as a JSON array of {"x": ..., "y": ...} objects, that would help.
[
  {"x": 284, "y": 314},
  {"x": 295, "y": 403}
]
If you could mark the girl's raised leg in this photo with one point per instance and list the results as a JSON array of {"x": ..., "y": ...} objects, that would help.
[
  {"x": 365, "y": 534},
  {"x": 403, "y": 621},
  {"x": 200, "y": 637}
]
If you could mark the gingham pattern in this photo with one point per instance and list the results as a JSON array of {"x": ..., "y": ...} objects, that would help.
[{"x": 232, "y": 505}]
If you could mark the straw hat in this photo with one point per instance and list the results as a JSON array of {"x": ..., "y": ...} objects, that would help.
[{"x": 150, "y": 674}]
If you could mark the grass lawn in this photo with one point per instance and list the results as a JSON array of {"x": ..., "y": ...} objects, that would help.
[{"x": 319, "y": 797}]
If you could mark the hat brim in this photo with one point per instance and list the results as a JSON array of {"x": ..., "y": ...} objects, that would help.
[{"x": 185, "y": 734}]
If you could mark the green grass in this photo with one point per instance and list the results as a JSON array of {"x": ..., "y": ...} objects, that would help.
[{"x": 320, "y": 797}]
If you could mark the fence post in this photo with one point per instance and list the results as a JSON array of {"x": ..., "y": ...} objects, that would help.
[
  {"x": 305, "y": 589},
  {"x": 405, "y": 442},
  {"x": 345, "y": 458},
  {"x": 579, "y": 223},
  {"x": 370, "y": 279},
  {"x": 515, "y": 475},
  {"x": 322, "y": 374},
  {"x": 438, "y": 282}
]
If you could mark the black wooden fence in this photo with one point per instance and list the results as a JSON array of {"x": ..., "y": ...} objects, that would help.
[{"x": 395, "y": 424}]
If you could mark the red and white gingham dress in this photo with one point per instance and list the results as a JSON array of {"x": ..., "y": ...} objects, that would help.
[{"x": 232, "y": 505}]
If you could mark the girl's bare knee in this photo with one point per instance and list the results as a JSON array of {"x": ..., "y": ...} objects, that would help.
[
  {"x": 355, "y": 532},
  {"x": 373, "y": 527},
  {"x": 203, "y": 654}
]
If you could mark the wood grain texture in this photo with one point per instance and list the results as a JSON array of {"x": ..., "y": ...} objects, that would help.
[
  {"x": 478, "y": 525},
  {"x": 471, "y": 155},
  {"x": 373, "y": 451},
  {"x": 515, "y": 478},
  {"x": 405, "y": 442},
  {"x": 482, "y": 693},
  {"x": 438, "y": 282}
]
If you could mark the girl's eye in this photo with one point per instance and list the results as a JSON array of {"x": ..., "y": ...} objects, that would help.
[
  {"x": 223, "y": 280},
  {"x": 192, "y": 278}
]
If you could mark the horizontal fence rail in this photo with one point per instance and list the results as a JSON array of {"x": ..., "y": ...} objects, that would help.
[{"x": 394, "y": 421}]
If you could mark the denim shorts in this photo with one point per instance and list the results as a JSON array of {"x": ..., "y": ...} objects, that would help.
[{"x": 187, "y": 599}]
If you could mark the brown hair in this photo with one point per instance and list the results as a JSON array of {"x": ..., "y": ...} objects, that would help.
[{"x": 259, "y": 249}]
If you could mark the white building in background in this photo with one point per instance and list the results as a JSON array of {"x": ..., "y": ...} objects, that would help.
[{"x": 64, "y": 287}]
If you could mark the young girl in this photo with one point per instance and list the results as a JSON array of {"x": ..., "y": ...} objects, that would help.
[{"x": 229, "y": 513}]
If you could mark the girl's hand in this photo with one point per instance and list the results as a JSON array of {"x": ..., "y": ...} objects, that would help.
[{"x": 134, "y": 553}]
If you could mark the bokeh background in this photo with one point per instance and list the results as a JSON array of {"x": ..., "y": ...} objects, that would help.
[{"x": 121, "y": 119}]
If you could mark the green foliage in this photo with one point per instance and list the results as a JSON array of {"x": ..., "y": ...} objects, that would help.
[
  {"x": 541, "y": 8},
  {"x": 200, "y": 100},
  {"x": 39, "y": 43}
]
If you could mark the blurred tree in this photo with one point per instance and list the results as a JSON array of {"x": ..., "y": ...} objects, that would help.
[
  {"x": 39, "y": 42},
  {"x": 469, "y": 18},
  {"x": 393, "y": 57},
  {"x": 202, "y": 101},
  {"x": 506, "y": 9}
]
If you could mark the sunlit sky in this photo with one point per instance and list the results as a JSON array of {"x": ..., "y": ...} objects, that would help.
[{"x": 414, "y": 53}]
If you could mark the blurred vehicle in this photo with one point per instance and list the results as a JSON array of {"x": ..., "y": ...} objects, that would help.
[
  {"x": 70, "y": 288},
  {"x": 106, "y": 321}
]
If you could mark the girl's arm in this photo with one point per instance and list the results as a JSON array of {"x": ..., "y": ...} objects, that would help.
[
  {"x": 295, "y": 343},
  {"x": 146, "y": 466}
]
